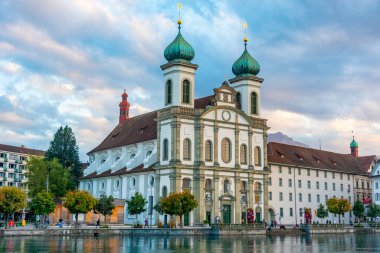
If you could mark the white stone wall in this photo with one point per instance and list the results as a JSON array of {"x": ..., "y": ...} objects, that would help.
[
  {"x": 375, "y": 176},
  {"x": 275, "y": 189}
]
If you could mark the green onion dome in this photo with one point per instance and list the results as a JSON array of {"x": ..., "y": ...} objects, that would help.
[
  {"x": 246, "y": 65},
  {"x": 179, "y": 49},
  {"x": 354, "y": 144}
]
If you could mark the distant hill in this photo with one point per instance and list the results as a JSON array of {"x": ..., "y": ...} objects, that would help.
[{"x": 282, "y": 138}]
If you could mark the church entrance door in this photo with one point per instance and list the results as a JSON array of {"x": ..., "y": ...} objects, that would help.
[
  {"x": 186, "y": 218},
  {"x": 226, "y": 214}
]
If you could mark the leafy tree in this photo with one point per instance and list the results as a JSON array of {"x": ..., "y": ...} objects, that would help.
[
  {"x": 158, "y": 207},
  {"x": 79, "y": 202},
  {"x": 358, "y": 209},
  {"x": 43, "y": 203},
  {"x": 136, "y": 205},
  {"x": 373, "y": 211},
  {"x": 65, "y": 148},
  {"x": 105, "y": 206},
  {"x": 338, "y": 206},
  {"x": 322, "y": 212},
  {"x": 12, "y": 200},
  {"x": 40, "y": 169},
  {"x": 178, "y": 204}
]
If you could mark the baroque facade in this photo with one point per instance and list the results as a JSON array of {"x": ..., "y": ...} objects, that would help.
[{"x": 214, "y": 147}]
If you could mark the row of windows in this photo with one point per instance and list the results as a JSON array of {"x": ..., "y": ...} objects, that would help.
[
  {"x": 226, "y": 151},
  {"x": 299, "y": 171},
  {"x": 185, "y": 92},
  {"x": 300, "y": 197},
  {"x": 290, "y": 184},
  {"x": 368, "y": 184}
]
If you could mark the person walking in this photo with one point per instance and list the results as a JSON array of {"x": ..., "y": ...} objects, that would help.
[
  {"x": 98, "y": 223},
  {"x": 275, "y": 223},
  {"x": 146, "y": 223}
]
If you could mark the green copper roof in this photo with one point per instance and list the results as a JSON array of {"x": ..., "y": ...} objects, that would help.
[
  {"x": 246, "y": 65},
  {"x": 354, "y": 144},
  {"x": 179, "y": 49}
]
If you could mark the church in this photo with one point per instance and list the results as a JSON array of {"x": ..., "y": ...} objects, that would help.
[{"x": 214, "y": 146}]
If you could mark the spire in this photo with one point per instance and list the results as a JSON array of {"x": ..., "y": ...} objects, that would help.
[
  {"x": 354, "y": 146},
  {"x": 245, "y": 65},
  {"x": 179, "y": 50},
  {"x": 124, "y": 108}
]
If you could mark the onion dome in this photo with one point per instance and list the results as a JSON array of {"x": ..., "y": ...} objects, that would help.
[
  {"x": 179, "y": 49},
  {"x": 354, "y": 144},
  {"x": 246, "y": 65}
]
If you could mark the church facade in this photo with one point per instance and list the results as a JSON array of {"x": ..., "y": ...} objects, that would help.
[{"x": 214, "y": 147}]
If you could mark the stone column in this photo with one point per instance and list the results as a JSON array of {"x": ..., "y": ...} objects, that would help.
[
  {"x": 216, "y": 194},
  {"x": 250, "y": 134},
  {"x": 199, "y": 143},
  {"x": 158, "y": 143},
  {"x": 237, "y": 153},
  {"x": 198, "y": 191},
  {"x": 156, "y": 193},
  {"x": 216, "y": 145},
  {"x": 265, "y": 147},
  {"x": 251, "y": 193},
  {"x": 176, "y": 141},
  {"x": 238, "y": 198},
  {"x": 265, "y": 186}
]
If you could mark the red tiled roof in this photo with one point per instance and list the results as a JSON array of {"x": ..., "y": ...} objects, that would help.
[
  {"x": 307, "y": 157},
  {"x": 22, "y": 150},
  {"x": 201, "y": 103},
  {"x": 365, "y": 163},
  {"x": 136, "y": 129},
  {"x": 120, "y": 172}
]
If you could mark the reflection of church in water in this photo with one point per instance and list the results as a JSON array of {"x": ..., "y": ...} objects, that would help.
[{"x": 214, "y": 146}]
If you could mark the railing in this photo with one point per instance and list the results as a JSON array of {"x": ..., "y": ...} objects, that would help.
[
  {"x": 239, "y": 226},
  {"x": 327, "y": 226}
]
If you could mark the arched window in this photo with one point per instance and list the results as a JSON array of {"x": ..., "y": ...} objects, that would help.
[
  {"x": 243, "y": 186},
  {"x": 164, "y": 191},
  {"x": 208, "y": 184},
  {"x": 186, "y": 149},
  {"x": 257, "y": 156},
  {"x": 165, "y": 151},
  {"x": 186, "y": 92},
  {"x": 226, "y": 186},
  {"x": 257, "y": 187},
  {"x": 226, "y": 150},
  {"x": 169, "y": 92},
  {"x": 253, "y": 103},
  {"x": 238, "y": 100},
  {"x": 186, "y": 183},
  {"x": 208, "y": 151},
  {"x": 243, "y": 154}
]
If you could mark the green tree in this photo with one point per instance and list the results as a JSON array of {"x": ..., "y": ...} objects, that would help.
[
  {"x": 40, "y": 170},
  {"x": 338, "y": 206},
  {"x": 43, "y": 204},
  {"x": 158, "y": 207},
  {"x": 12, "y": 200},
  {"x": 322, "y": 212},
  {"x": 136, "y": 205},
  {"x": 64, "y": 147},
  {"x": 373, "y": 211},
  {"x": 178, "y": 204},
  {"x": 105, "y": 206},
  {"x": 79, "y": 202},
  {"x": 358, "y": 210}
]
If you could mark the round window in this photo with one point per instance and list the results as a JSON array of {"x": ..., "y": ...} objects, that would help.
[
  {"x": 133, "y": 182},
  {"x": 116, "y": 184}
]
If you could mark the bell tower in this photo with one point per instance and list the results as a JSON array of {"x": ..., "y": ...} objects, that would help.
[
  {"x": 179, "y": 72},
  {"x": 124, "y": 108}
]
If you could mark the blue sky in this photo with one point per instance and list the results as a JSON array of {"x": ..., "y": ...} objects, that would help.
[{"x": 67, "y": 62}]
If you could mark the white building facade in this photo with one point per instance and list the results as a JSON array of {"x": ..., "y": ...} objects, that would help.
[{"x": 375, "y": 176}]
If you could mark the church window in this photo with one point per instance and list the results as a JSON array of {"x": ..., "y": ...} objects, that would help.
[
  {"x": 208, "y": 151},
  {"x": 165, "y": 153},
  {"x": 238, "y": 100},
  {"x": 208, "y": 184},
  {"x": 164, "y": 191},
  {"x": 169, "y": 92},
  {"x": 243, "y": 154},
  {"x": 186, "y": 92},
  {"x": 257, "y": 156},
  {"x": 186, "y": 149},
  {"x": 186, "y": 183},
  {"x": 243, "y": 185},
  {"x": 151, "y": 180},
  {"x": 253, "y": 103},
  {"x": 226, "y": 186},
  {"x": 88, "y": 186},
  {"x": 226, "y": 150},
  {"x": 102, "y": 185},
  {"x": 133, "y": 182},
  {"x": 116, "y": 184}
]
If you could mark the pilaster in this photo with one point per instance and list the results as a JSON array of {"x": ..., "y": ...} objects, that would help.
[
  {"x": 265, "y": 149},
  {"x": 251, "y": 193},
  {"x": 250, "y": 135},
  {"x": 156, "y": 192},
  {"x": 216, "y": 144},
  {"x": 237, "y": 146},
  {"x": 199, "y": 143},
  {"x": 266, "y": 203},
  {"x": 238, "y": 198},
  {"x": 175, "y": 143},
  {"x": 216, "y": 193},
  {"x": 199, "y": 182}
]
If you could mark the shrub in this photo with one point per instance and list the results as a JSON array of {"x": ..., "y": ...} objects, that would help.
[
  {"x": 160, "y": 224},
  {"x": 171, "y": 224}
]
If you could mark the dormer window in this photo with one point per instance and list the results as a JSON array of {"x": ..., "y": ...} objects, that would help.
[
  {"x": 132, "y": 156},
  {"x": 148, "y": 153}
]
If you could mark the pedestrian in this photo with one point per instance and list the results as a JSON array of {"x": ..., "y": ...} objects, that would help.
[
  {"x": 275, "y": 223},
  {"x": 146, "y": 223},
  {"x": 60, "y": 223},
  {"x": 98, "y": 223}
]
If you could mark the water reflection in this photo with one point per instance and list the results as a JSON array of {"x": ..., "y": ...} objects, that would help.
[{"x": 185, "y": 244}]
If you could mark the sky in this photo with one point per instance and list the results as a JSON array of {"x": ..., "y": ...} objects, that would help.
[{"x": 67, "y": 62}]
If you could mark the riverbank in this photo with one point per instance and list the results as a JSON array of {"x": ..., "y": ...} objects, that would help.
[{"x": 187, "y": 231}]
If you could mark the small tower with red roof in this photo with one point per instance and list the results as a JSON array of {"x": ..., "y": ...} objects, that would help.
[{"x": 124, "y": 108}]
